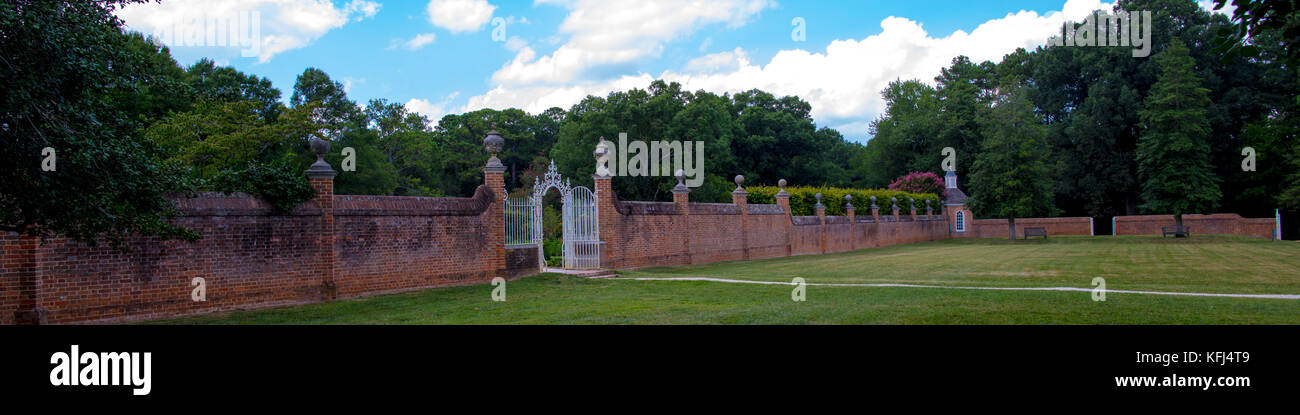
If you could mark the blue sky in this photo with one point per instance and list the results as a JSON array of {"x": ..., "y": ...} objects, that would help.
[{"x": 441, "y": 56}]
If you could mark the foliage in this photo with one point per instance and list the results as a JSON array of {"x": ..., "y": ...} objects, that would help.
[
  {"x": 75, "y": 83},
  {"x": 281, "y": 185},
  {"x": 920, "y": 182},
  {"x": 1173, "y": 153},
  {"x": 804, "y": 199},
  {"x": 1011, "y": 177}
]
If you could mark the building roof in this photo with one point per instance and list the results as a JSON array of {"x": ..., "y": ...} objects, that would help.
[{"x": 955, "y": 196}]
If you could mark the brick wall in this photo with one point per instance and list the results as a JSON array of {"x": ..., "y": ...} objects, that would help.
[
  {"x": 250, "y": 257},
  {"x": 521, "y": 261},
  {"x": 651, "y": 234},
  {"x": 1217, "y": 224},
  {"x": 997, "y": 228}
]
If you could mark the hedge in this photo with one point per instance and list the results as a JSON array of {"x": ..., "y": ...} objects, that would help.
[{"x": 802, "y": 200}]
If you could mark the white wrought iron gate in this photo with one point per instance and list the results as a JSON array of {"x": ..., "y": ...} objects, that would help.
[
  {"x": 579, "y": 218},
  {"x": 581, "y": 230}
]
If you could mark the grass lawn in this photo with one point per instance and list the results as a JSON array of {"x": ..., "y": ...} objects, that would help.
[{"x": 1203, "y": 264}]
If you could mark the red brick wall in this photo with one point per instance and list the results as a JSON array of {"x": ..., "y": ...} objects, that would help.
[
  {"x": 253, "y": 258},
  {"x": 1217, "y": 224},
  {"x": 997, "y": 228},
  {"x": 651, "y": 234}
]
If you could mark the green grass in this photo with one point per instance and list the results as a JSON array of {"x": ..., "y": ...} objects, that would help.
[{"x": 1203, "y": 264}]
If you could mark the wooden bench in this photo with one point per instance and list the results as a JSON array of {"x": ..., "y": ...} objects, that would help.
[
  {"x": 1183, "y": 232},
  {"x": 1035, "y": 232}
]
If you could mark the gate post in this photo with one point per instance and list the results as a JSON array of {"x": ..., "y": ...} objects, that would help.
[
  {"x": 321, "y": 176},
  {"x": 607, "y": 214},
  {"x": 494, "y": 179},
  {"x": 740, "y": 198},
  {"x": 23, "y": 270},
  {"x": 682, "y": 198}
]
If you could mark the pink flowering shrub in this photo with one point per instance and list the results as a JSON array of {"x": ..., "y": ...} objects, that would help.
[{"x": 920, "y": 182}]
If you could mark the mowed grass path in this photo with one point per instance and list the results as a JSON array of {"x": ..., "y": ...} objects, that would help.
[{"x": 1204, "y": 264}]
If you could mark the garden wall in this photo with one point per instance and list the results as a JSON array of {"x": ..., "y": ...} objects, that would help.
[
  {"x": 1217, "y": 224},
  {"x": 651, "y": 234},
  {"x": 997, "y": 228},
  {"x": 330, "y": 247}
]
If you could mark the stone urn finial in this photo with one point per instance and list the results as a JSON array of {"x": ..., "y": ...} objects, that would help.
[
  {"x": 873, "y": 203},
  {"x": 781, "y": 183},
  {"x": 601, "y": 154},
  {"x": 320, "y": 168},
  {"x": 893, "y": 202},
  {"x": 848, "y": 202},
  {"x": 493, "y": 143},
  {"x": 681, "y": 182},
  {"x": 819, "y": 204}
]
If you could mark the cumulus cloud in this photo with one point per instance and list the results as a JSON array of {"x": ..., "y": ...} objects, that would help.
[
  {"x": 434, "y": 111},
  {"x": 283, "y": 24},
  {"x": 842, "y": 82},
  {"x": 605, "y": 32},
  {"x": 460, "y": 15}
]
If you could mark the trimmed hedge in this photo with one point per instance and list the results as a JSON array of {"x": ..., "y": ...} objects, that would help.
[{"x": 802, "y": 200}]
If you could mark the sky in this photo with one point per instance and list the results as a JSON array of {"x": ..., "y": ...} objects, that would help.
[{"x": 454, "y": 56}]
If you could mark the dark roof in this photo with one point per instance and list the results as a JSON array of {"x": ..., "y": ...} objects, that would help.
[{"x": 955, "y": 196}]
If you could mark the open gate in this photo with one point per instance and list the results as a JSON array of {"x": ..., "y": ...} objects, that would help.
[
  {"x": 579, "y": 218},
  {"x": 581, "y": 230}
]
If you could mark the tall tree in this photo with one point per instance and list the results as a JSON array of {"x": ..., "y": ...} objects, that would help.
[
  {"x": 1174, "y": 154},
  {"x": 67, "y": 68},
  {"x": 1011, "y": 177}
]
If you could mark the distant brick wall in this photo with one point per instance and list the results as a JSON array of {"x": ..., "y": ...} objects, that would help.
[
  {"x": 1217, "y": 224},
  {"x": 651, "y": 234},
  {"x": 997, "y": 228}
]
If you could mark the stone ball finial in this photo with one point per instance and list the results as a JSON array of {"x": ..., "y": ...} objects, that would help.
[
  {"x": 781, "y": 184},
  {"x": 848, "y": 198},
  {"x": 740, "y": 180}
]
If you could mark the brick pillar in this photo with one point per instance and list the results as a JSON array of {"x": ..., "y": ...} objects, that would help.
[
  {"x": 608, "y": 221},
  {"x": 783, "y": 200},
  {"x": 875, "y": 210},
  {"x": 853, "y": 222},
  {"x": 740, "y": 198},
  {"x": 494, "y": 178},
  {"x": 22, "y": 262},
  {"x": 682, "y": 198},
  {"x": 821, "y": 218},
  {"x": 321, "y": 176}
]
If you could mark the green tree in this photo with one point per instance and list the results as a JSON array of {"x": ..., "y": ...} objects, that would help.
[
  {"x": 1173, "y": 153},
  {"x": 67, "y": 68},
  {"x": 1011, "y": 176}
]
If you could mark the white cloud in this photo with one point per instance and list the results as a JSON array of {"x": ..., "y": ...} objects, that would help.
[
  {"x": 419, "y": 41},
  {"x": 842, "y": 82},
  {"x": 363, "y": 9},
  {"x": 460, "y": 15},
  {"x": 284, "y": 24},
  {"x": 434, "y": 111},
  {"x": 605, "y": 32}
]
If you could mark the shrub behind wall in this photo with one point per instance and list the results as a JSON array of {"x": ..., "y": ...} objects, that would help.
[{"x": 802, "y": 199}]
